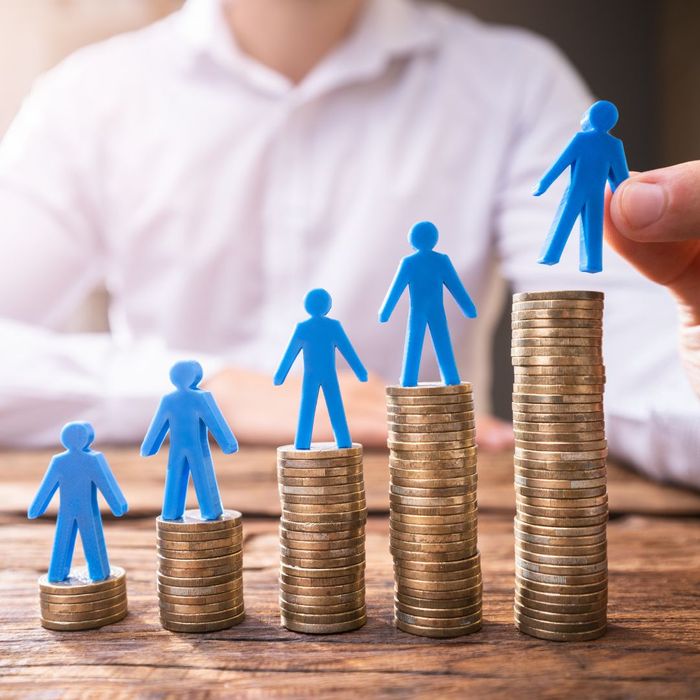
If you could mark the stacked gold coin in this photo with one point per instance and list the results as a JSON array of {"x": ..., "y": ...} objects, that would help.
[
  {"x": 200, "y": 572},
  {"x": 437, "y": 572},
  {"x": 560, "y": 475},
  {"x": 322, "y": 538},
  {"x": 78, "y": 603}
]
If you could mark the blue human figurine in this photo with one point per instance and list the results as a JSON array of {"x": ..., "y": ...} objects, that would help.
[
  {"x": 595, "y": 157},
  {"x": 425, "y": 273},
  {"x": 318, "y": 338},
  {"x": 189, "y": 414},
  {"x": 78, "y": 474}
]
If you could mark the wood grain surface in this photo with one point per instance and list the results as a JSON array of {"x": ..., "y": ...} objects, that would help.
[{"x": 651, "y": 649}]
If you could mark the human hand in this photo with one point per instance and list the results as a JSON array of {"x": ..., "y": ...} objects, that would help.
[
  {"x": 653, "y": 220},
  {"x": 261, "y": 414}
]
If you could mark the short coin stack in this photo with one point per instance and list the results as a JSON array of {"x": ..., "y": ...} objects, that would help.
[
  {"x": 322, "y": 538},
  {"x": 78, "y": 603},
  {"x": 560, "y": 474},
  {"x": 200, "y": 572},
  {"x": 437, "y": 571}
]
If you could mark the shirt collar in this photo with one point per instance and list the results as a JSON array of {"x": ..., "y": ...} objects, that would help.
[{"x": 387, "y": 30}]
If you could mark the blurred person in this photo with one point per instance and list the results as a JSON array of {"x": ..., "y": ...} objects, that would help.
[{"x": 215, "y": 166}]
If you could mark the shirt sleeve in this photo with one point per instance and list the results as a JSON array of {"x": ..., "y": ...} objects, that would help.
[
  {"x": 652, "y": 412},
  {"x": 52, "y": 257}
]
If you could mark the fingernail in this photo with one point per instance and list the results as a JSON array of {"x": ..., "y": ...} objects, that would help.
[{"x": 643, "y": 204}]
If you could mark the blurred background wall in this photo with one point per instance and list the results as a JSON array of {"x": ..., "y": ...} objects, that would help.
[{"x": 643, "y": 54}]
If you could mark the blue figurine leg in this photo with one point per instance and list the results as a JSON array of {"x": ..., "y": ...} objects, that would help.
[
  {"x": 176, "y": 480},
  {"x": 415, "y": 335},
  {"x": 93, "y": 540},
  {"x": 591, "y": 257},
  {"x": 443, "y": 349},
  {"x": 569, "y": 210},
  {"x": 206, "y": 488},
  {"x": 307, "y": 412},
  {"x": 63, "y": 546},
  {"x": 336, "y": 412}
]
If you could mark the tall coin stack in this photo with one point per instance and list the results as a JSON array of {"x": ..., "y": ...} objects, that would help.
[
  {"x": 322, "y": 538},
  {"x": 200, "y": 572},
  {"x": 561, "y": 585},
  {"x": 433, "y": 510},
  {"x": 78, "y": 603}
]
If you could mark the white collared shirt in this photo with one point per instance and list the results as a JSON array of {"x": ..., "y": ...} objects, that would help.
[{"x": 210, "y": 194}]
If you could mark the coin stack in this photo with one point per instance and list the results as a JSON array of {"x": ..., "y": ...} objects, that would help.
[
  {"x": 561, "y": 585},
  {"x": 322, "y": 538},
  {"x": 78, "y": 603},
  {"x": 433, "y": 511},
  {"x": 200, "y": 572}
]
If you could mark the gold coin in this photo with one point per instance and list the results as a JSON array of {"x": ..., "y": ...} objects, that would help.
[
  {"x": 547, "y": 457},
  {"x": 183, "y": 593},
  {"x": 439, "y": 598},
  {"x": 83, "y": 624},
  {"x": 428, "y": 389},
  {"x": 566, "y": 295},
  {"x": 323, "y": 618},
  {"x": 192, "y": 521},
  {"x": 565, "y": 503},
  {"x": 449, "y": 529},
  {"x": 561, "y": 391},
  {"x": 571, "y": 563},
  {"x": 304, "y": 572},
  {"x": 572, "y": 569},
  {"x": 326, "y": 537},
  {"x": 556, "y": 304},
  {"x": 556, "y": 374},
  {"x": 431, "y": 492},
  {"x": 313, "y": 609},
  {"x": 467, "y": 484},
  {"x": 555, "y": 315},
  {"x": 224, "y": 608},
  {"x": 435, "y": 632},
  {"x": 562, "y": 600},
  {"x": 322, "y": 545},
  {"x": 312, "y": 583},
  {"x": 317, "y": 467},
  {"x": 542, "y": 436},
  {"x": 85, "y": 615},
  {"x": 80, "y": 583},
  {"x": 432, "y": 430},
  {"x": 398, "y": 537},
  {"x": 177, "y": 555},
  {"x": 466, "y": 461},
  {"x": 558, "y": 484},
  {"x": 342, "y": 489},
  {"x": 306, "y": 628},
  {"x": 290, "y": 478},
  {"x": 577, "y": 448},
  {"x": 416, "y": 456},
  {"x": 231, "y": 559},
  {"x": 196, "y": 598},
  {"x": 556, "y": 399},
  {"x": 467, "y": 571},
  {"x": 317, "y": 562},
  {"x": 328, "y": 553},
  {"x": 598, "y": 577},
  {"x": 438, "y": 622},
  {"x": 560, "y": 543},
  {"x": 309, "y": 524},
  {"x": 535, "y": 408},
  {"x": 83, "y": 597},
  {"x": 322, "y": 591},
  {"x": 438, "y": 612},
  {"x": 446, "y": 505},
  {"x": 535, "y": 613},
  {"x": 561, "y": 636},
  {"x": 560, "y": 531},
  {"x": 561, "y": 521},
  {"x": 202, "y": 627},
  {"x": 576, "y": 469},
  {"x": 556, "y": 550},
  {"x": 559, "y": 627},
  {"x": 322, "y": 504},
  {"x": 569, "y": 513},
  {"x": 545, "y": 343},
  {"x": 184, "y": 539},
  {"x": 456, "y": 586},
  {"x": 557, "y": 352},
  {"x": 203, "y": 545},
  {"x": 435, "y": 435},
  {"x": 562, "y": 323},
  {"x": 548, "y": 333},
  {"x": 543, "y": 430},
  {"x": 423, "y": 448},
  {"x": 170, "y": 618},
  {"x": 319, "y": 450},
  {"x": 424, "y": 554},
  {"x": 427, "y": 410},
  {"x": 420, "y": 419},
  {"x": 422, "y": 519},
  {"x": 425, "y": 478},
  {"x": 580, "y": 591},
  {"x": 546, "y": 474},
  {"x": 48, "y": 607}
]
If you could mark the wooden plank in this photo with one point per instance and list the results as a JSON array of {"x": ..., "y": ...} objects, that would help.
[
  {"x": 650, "y": 651},
  {"x": 248, "y": 480}
]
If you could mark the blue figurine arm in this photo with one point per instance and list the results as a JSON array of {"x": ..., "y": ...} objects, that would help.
[
  {"x": 48, "y": 487},
  {"x": 293, "y": 349},
  {"x": 457, "y": 289},
  {"x": 619, "y": 172},
  {"x": 107, "y": 484},
  {"x": 398, "y": 284},
  {"x": 347, "y": 350},
  {"x": 217, "y": 425},
  {"x": 560, "y": 165},
  {"x": 156, "y": 433}
]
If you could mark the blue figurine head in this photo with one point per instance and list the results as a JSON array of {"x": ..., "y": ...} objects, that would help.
[
  {"x": 186, "y": 374},
  {"x": 600, "y": 116},
  {"x": 318, "y": 302},
  {"x": 423, "y": 236},
  {"x": 77, "y": 436}
]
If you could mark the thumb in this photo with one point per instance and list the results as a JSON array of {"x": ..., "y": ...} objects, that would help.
[{"x": 660, "y": 205}]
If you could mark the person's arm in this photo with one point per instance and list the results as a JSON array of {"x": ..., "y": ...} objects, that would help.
[
  {"x": 155, "y": 436},
  {"x": 347, "y": 350},
  {"x": 457, "y": 289},
  {"x": 560, "y": 165},
  {"x": 52, "y": 257},
  {"x": 394, "y": 294},
  {"x": 48, "y": 487},
  {"x": 290, "y": 355},
  {"x": 652, "y": 413},
  {"x": 217, "y": 425},
  {"x": 107, "y": 484}
]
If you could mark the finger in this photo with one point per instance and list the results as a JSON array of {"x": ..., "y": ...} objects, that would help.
[{"x": 660, "y": 205}]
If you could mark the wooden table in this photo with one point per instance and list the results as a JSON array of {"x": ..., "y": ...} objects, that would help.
[{"x": 652, "y": 648}]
